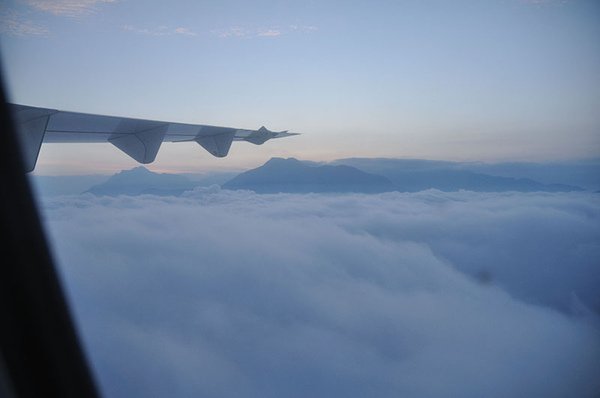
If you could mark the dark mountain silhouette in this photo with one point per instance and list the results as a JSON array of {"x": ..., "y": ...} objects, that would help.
[
  {"x": 361, "y": 175},
  {"x": 139, "y": 181},
  {"x": 293, "y": 176},
  {"x": 412, "y": 175},
  {"x": 582, "y": 173}
]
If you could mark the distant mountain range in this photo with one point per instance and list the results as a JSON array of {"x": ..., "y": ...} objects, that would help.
[
  {"x": 413, "y": 175},
  {"x": 127, "y": 182},
  {"x": 378, "y": 175},
  {"x": 585, "y": 174},
  {"x": 362, "y": 175},
  {"x": 141, "y": 181},
  {"x": 294, "y": 176}
]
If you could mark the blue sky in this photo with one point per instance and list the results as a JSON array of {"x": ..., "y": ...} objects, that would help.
[{"x": 460, "y": 80}]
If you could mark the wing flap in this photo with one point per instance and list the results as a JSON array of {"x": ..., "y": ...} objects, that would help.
[
  {"x": 141, "y": 145},
  {"x": 217, "y": 144},
  {"x": 31, "y": 124}
]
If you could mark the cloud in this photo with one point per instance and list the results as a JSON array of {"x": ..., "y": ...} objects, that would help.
[
  {"x": 232, "y": 294},
  {"x": 269, "y": 33},
  {"x": 68, "y": 8},
  {"x": 15, "y": 24},
  {"x": 545, "y": 2},
  {"x": 15, "y": 21},
  {"x": 184, "y": 31},
  {"x": 245, "y": 32},
  {"x": 161, "y": 31},
  {"x": 234, "y": 31},
  {"x": 304, "y": 28}
]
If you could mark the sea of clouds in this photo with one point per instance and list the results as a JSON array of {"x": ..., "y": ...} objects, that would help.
[{"x": 430, "y": 294}]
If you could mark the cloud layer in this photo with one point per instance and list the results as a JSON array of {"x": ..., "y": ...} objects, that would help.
[
  {"x": 161, "y": 31},
  {"x": 274, "y": 31},
  {"x": 14, "y": 24},
  {"x": 69, "y": 8},
  {"x": 425, "y": 295}
]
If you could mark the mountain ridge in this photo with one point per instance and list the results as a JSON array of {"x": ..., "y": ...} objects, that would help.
[
  {"x": 370, "y": 175},
  {"x": 294, "y": 176},
  {"x": 361, "y": 175},
  {"x": 140, "y": 181}
]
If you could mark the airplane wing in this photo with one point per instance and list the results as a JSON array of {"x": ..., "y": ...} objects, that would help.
[{"x": 138, "y": 138}]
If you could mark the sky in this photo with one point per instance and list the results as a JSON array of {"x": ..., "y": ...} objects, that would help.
[
  {"x": 454, "y": 80},
  {"x": 429, "y": 294},
  {"x": 236, "y": 294}
]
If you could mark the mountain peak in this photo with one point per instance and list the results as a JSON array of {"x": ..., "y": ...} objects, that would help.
[
  {"x": 295, "y": 176},
  {"x": 140, "y": 180},
  {"x": 280, "y": 161},
  {"x": 139, "y": 170}
]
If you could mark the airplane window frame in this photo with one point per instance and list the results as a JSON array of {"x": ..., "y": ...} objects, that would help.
[{"x": 41, "y": 354}]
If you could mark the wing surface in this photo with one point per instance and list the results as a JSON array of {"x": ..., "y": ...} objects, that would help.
[{"x": 138, "y": 138}]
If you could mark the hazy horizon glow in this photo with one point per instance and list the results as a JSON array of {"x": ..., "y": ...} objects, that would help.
[{"x": 465, "y": 80}]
